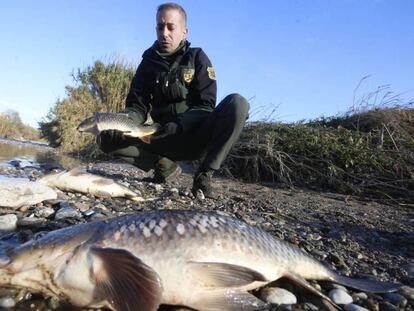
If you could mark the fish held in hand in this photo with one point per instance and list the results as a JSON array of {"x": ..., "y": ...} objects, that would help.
[
  {"x": 102, "y": 121},
  {"x": 201, "y": 260},
  {"x": 79, "y": 180}
]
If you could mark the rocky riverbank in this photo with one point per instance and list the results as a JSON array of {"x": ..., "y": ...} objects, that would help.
[{"x": 358, "y": 238}]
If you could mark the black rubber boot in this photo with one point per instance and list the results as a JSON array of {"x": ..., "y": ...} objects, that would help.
[
  {"x": 202, "y": 181},
  {"x": 166, "y": 170}
]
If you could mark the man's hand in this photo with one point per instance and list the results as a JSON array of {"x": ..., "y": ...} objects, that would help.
[
  {"x": 169, "y": 129},
  {"x": 109, "y": 136}
]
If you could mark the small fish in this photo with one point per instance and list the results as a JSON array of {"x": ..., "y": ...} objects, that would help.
[
  {"x": 102, "y": 121},
  {"x": 202, "y": 260},
  {"x": 79, "y": 180}
]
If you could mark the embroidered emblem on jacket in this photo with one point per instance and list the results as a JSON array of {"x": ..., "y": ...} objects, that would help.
[
  {"x": 211, "y": 73},
  {"x": 188, "y": 75}
]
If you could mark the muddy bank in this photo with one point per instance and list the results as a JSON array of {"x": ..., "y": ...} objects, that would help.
[{"x": 357, "y": 238}]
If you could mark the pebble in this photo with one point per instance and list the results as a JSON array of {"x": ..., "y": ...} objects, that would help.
[
  {"x": 7, "y": 302},
  {"x": 396, "y": 299},
  {"x": 407, "y": 292},
  {"x": 360, "y": 296},
  {"x": 97, "y": 217},
  {"x": 29, "y": 222},
  {"x": 340, "y": 297},
  {"x": 68, "y": 212},
  {"x": 44, "y": 212},
  {"x": 311, "y": 306},
  {"x": 410, "y": 269},
  {"x": 100, "y": 206},
  {"x": 8, "y": 222},
  {"x": 336, "y": 259},
  {"x": 200, "y": 195},
  {"x": 81, "y": 206},
  {"x": 278, "y": 296},
  {"x": 352, "y": 307},
  {"x": 158, "y": 187},
  {"x": 386, "y": 306},
  {"x": 53, "y": 303}
]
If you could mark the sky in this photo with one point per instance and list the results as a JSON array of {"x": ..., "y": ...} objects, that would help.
[{"x": 292, "y": 59}]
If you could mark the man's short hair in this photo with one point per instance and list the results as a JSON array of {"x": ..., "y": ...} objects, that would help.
[{"x": 173, "y": 6}]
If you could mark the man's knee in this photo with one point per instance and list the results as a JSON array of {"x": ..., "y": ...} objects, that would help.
[{"x": 238, "y": 105}]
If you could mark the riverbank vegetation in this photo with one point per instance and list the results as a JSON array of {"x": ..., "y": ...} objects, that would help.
[
  {"x": 11, "y": 126},
  {"x": 101, "y": 87},
  {"x": 368, "y": 151}
]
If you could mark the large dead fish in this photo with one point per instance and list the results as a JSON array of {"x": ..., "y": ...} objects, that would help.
[
  {"x": 205, "y": 261},
  {"x": 79, "y": 180},
  {"x": 102, "y": 121}
]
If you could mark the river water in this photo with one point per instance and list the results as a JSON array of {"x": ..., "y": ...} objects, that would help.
[{"x": 24, "y": 154}]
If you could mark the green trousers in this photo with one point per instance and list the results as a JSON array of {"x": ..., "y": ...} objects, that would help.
[{"x": 211, "y": 140}]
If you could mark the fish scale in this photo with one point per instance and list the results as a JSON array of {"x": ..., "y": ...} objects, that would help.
[{"x": 203, "y": 260}]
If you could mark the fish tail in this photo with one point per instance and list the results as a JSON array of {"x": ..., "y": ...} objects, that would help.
[{"x": 366, "y": 285}]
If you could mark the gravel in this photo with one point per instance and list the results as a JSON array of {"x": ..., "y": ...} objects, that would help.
[{"x": 361, "y": 239}]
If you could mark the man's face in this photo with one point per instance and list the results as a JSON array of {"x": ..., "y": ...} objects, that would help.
[{"x": 171, "y": 30}]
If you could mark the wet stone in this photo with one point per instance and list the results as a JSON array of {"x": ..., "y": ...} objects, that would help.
[
  {"x": 340, "y": 297},
  {"x": 352, "y": 307},
  {"x": 396, "y": 299},
  {"x": 360, "y": 296},
  {"x": 8, "y": 222},
  {"x": 44, "y": 212},
  {"x": 68, "y": 212},
  {"x": 97, "y": 217},
  {"x": 407, "y": 292},
  {"x": 278, "y": 296},
  {"x": 29, "y": 222},
  {"x": 386, "y": 306},
  {"x": 310, "y": 306}
]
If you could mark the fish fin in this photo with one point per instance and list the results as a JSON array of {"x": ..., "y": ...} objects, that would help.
[
  {"x": 125, "y": 281},
  {"x": 224, "y": 274},
  {"x": 370, "y": 286},
  {"x": 103, "y": 182},
  {"x": 227, "y": 300},
  {"x": 146, "y": 139},
  {"x": 77, "y": 171},
  {"x": 327, "y": 303}
]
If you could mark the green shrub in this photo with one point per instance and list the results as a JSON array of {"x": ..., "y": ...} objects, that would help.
[
  {"x": 11, "y": 126},
  {"x": 102, "y": 87}
]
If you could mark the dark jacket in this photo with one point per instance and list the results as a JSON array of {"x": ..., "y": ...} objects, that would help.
[{"x": 180, "y": 87}]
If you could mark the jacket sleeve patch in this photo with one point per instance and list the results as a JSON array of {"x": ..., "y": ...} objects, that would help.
[{"x": 211, "y": 73}]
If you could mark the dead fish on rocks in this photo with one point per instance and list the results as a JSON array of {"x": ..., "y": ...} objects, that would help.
[
  {"x": 15, "y": 193},
  {"x": 102, "y": 121},
  {"x": 79, "y": 180},
  {"x": 202, "y": 260}
]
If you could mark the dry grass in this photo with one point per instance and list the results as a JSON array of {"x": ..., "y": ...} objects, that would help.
[{"x": 334, "y": 154}]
